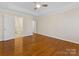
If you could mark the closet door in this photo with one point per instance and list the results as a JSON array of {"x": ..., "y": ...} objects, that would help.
[
  {"x": 9, "y": 27},
  {"x": 9, "y": 34},
  {"x": 1, "y": 34}
]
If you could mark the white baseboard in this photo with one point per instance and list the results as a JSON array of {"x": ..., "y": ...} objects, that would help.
[
  {"x": 73, "y": 41},
  {"x": 14, "y": 37}
]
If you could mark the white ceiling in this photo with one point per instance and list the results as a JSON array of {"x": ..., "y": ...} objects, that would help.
[{"x": 29, "y": 7}]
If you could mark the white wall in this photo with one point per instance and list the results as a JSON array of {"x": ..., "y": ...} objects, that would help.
[
  {"x": 28, "y": 25},
  {"x": 1, "y": 27},
  {"x": 64, "y": 25}
]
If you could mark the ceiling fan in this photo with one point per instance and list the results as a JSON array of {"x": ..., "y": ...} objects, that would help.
[{"x": 38, "y": 5}]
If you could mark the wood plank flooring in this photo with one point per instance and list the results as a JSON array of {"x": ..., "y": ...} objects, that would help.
[{"x": 40, "y": 45}]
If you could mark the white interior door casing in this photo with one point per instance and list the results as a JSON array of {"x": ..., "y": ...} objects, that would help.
[{"x": 9, "y": 27}]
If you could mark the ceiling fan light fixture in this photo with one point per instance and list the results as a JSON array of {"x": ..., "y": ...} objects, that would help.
[{"x": 38, "y": 5}]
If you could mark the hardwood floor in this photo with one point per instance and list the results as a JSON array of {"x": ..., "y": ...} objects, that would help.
[{"x": 40, "y": 45}]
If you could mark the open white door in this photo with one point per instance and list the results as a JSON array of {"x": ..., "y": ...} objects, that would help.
[{"x": 18, "y": 26}]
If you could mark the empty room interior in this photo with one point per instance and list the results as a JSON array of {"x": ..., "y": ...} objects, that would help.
[{"x": 39, "y": 28}]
